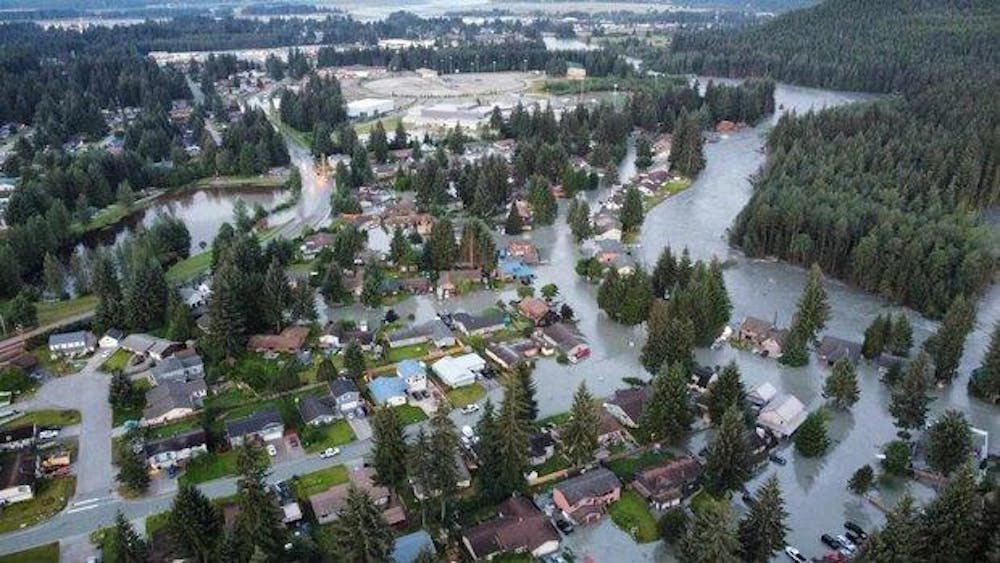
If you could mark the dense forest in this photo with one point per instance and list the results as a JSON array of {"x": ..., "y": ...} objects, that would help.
[{"x": 886, "y": 195}]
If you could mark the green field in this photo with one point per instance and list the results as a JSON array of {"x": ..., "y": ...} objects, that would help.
[
  {"x": 157, "y": 522},
  {"x": 700, "y": 500},
  {"x": 631, "y": 514},
  {"x": 557, "y": 462},
  {"x": 207, "y": 467},
  {"x": 415, "y": 351},
  {"x": 190, "y": 267},
  {"x": 53, "y": 311},
  {"x": 51, "y": 496},
  {"x": 318, "y": 439},
  {"x": 319, "y": 481},
  {"x": 117, "y": 361},
  {"x": 48, "y": 553},
  {"x": 409, "y": 414},
  {"x": 267, "y": 181},
  {"x": 173, "y": 429},
  {"x": 462, "y": 396},
  {"x": 52, "y": 417},
  {"x": 626, "y": 467}
]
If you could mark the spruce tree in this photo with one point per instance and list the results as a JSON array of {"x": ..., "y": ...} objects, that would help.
[
  {"x": 945, "y": 346},
  {"x": 762, "y": 531},
  {"x": 669, "y": 339},
  {"x": 664, "y": 275},
  {"x": 195, "y": 524},
  {"x": 371, "y": 288},
  {"x": 444, "y": 444},
  {"x": 985, "y": 381},
  {"x": 643, "y": 153},
  {"x": 55, "y": 281},
  {"x": 950, "y": 523},
  {"x": 579, "y": 435},
  {"x": 667, "y": 415},
  {"x": 389, "y": 447},
  {"x": 145, "y": 297},
  {"x": 543, "y": 204},
  {"x": 812, "y": 310},
  {"x": 727, "y": 392},
  {"x": 727, "y": 461},
  {"x": 514, "y": 224},
  {"x": 326, "y": 371},
  {"x": 841, "y": 386},
  {"x": 400, "y": 249},
  {"x": 228, "y": 326},
  {"x": 490, "y": 462},
  {"x": 632, "y": 212},
  {"x": 378, "y": 144},
  {"x": 109, "y": 294},
  {"x": 276, "y": 296},
  {"x": 909, "y": 400},
  {"x": 578, "y": 218},
  {"x": 259, "y": 521},
  {"x": 354, "y": 360},
  {"x": 877, "y": 337},
  {"x": 441, "y": 248},
  {"x": 862, "y": 479},
  {"x": 130, "y": 547},
  {"x": 362, "y": 534},
  {"x": 513, "y": 433},
  {"x": 711, "y": 536},
  {"x": 132, "y": 471},
  {"x": 949, "y": 442},
  {"x": 529, "y": 407},
  {"x": 899, "y": 540},
  {"x": 896, "y": 458},
  {"x": 900, "y": 336},
  {"x": 794, "y": 352},
  {"x": 811, "y": 439}
]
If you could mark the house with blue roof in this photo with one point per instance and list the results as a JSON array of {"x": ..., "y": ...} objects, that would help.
[
  {"x": 388, "y": 391},
  {"x": 408, "y": 548},
  {"x": 414, "y": 373},
  {"x": 515, "y": 269}
]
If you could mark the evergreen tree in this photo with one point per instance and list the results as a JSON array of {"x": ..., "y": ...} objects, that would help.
[
  {"x": 399, "y": 140},
  {"x": 378, "y": 144},
  {"x": 711, "y": 536},
  {"x": 371, "y": 289},
  {"x": 259, "y": 521},
  {"x": 21, "y": 311},
  {"x": 326, "y": 371},
  {"x": 901, "y": 336},
  {"x": 276, "y": 295},
  {"x": 354, "y": 360},
  {"x": 400, "y": 250},
  {"x": 812, "y": 310},
  {"x": 727, "y": 392},
  {"x": 132, "y": 472},
  {"x": 513, "y": 432},
  {"x": 322, "y": 144},
  {"x": 490, "y": 462},
  {"x": 673, "y": 524},
  {"x": 228, "y": 326},
  {"x": 543, "y": 203},
  {"x": 130, "y": 547},
  {"x": 632, "y": 213},
  {"x": 55, "y": 282},
  {"x": 443, "y": 450},
  {"x": 513, "y": 225},
  {"x": 811, "y": 439},
  {"x": 842, "y": 384},
  {"x": 945, "y": 346},
  {"x": 950, "y": 523},
  {"x": 146, "y": 293},
  {"x": 578, "y": 218},
  {"x": 762, "y": 531},
  {"x": 669, "y": 339},
  {"x": 862, "y": 480},
  {"x": 643, "y": 153},
  {"x": 529, "y": 404},
  {"x": 877, "y": 337},
  {"x": 667, "y": 415},
  {"x": 949, "y": 442},
  {"x": 362, "y": 534},
  {"x": 727, "y": 461},
  {"x": 664, "y": 275},
  {"x": 389, "y": 447},
  {"x": 909, "y": 400},
  {"x": 985, "y": 381},
  {"x": 441, "y": 249},
  {"x": 579, "y": 436},
  {"x": 899, "y": 540},
  {"x": 896, "y": 460},
  {"x": 195, "y": 524},
  {"x": 687, "y": 151},
  {"x": 794, "y": 353}
]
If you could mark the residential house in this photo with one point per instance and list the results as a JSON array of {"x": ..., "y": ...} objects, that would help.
[
  {"x": 610, "y": 431},
  {"x": 503, "y": 354},
  {"x": 541, "y": 448},
  {"x": 519, "y": 527},
  {"x": 703, "y": 377},
  {"x": 668, "y": 484},
  {"x": 417, "y": 285},
  {"x": 149, "y": 346},
  {"x": 411, "y": 547},
  {"x": 291, "y": 512},
  {"x": 762, "y": 394},
  {"x": 765, "y": 338},
  {"x": 72, "y": 344},
  {"x": 194, "y": 299},
  {"x": 18, "y": 438},
  {"x": 487, "y": 322},
  {"x": 450, "y": 281},
  {"x": 264, "y": 425},
  {"x": 433, "y": 331},
  {"x": 832, "y": 349},
  {"x": 111, "y": 339},
  {"x": 523, "y": 250},
  {"x": 459, "y": 371},
  {"x": 173, "y": 400},
  {"x": 783, "y": 416},
  {"x": 607, "y": 227},
  {"x": 313, "y": 244},
  {"x": 414, "y": 373},
  {"x": 327, "y": 505},
  {"x": 626, "y": 404},
  {"x": 290, "y": 341},
  {"x": 176, "y": 450},
  {"x": 585, "y": 498},
  {"x": 337, "y": 335},
  {"x": 534, "y": 309},
  {"x": 514, "y": 269},
  {"x": 17, "y": 477},
  {"x": 317, "y": 411},
  {"x": 564, "y": 339},
  {"x": 760, "y": 442},
  {"x": 388, "y": 391},
  {"x": 345, "y": 394},
  {"x": 182, "y": 366}
]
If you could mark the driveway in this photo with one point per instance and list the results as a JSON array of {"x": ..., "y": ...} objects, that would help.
[{"x": 361, "y": 427}]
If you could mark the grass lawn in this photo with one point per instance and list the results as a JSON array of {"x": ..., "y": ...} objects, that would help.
[
  {"x": 53, "y": 311},
  {"x": 632, "y": 515},
  {"x": 676, "y": 186},
  {"x": 229, "y": 398},
  {"x": 388, "y": 123},
  {"x": 207, "y": 467},
  {"x": 319, "y": 481},
  {"x": 134, "y": 411},
  {"x": 117, "y": 361},
  {"x": 461, "y": 396},
  {"x": 174, "y": 428},
  {"x": 415, "y": 351},
  {"x": 53, "y": 417},
  {"x": 557, "y": 462},
  {"x": 105, "y": 216},
  {"x": 700, "y": 500},
  {"x": 555, "y": 420},
  {"x": 190, "y": 267},
  {"x": 626, "y": 468},
  {"x": 51, "y": 496},
  {"x": 409, "y": 414},
  {"x": 331, "y": 435},
  {"x": 48, "y": 553},
  {"x": 156, "y": 522},
  {"x": 259, "y": 181}
]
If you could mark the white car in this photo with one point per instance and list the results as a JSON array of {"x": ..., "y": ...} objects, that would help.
[
  {"x": 794, "y": 554},
  {"x": 469, "y": 409},
  {"x": 271, "y": 450},
  {"x": 848, "y": 544},
  {"x": 329, "y": 452},
  {"x": 48, "y": 434}
]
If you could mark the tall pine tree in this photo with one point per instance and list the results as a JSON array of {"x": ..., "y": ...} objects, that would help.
[
  {"x": 389, "y": 447},
  {"x": 727, "y": 462},
  {"x": 195, "y": 524},
  {"x": 762, "y": 531},
  {"x": 945, "y": 346},
  {"x": 667, "y": 415},
  {"x": 580, "y": 433}
]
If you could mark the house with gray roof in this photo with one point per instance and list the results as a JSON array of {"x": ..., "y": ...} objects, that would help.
[
  {"x": 173, "y": 400},
  {"x": 345, "y": 394},
  {"x": 585, "y": 498},
  {"x": 151, "y": 346},
  {"x": 165, "y": 453},
  {"x": 433, "y": 331},
  {"x": 484, "y": 323},
  {"x": 264, "y": 425},
  {"x": 72, "y": 344},
  {"x": 317, "y": 411},
  {"x": 182, "y": 366}
]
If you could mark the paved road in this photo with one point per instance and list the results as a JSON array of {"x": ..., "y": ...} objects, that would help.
[{"x": 84, "y": 316}]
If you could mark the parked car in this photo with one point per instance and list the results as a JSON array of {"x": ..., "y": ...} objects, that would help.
[
  {"x": 48, "y": 434},
  {"x": 858, "y": 530},
  {"x": 329, "y": 452},
  {"x": 846, "y": 543},
  {"x": 777, "y": 459},
  {"x": 271, "y": 450},
  {"x": 854, "y": 538},
  {"x": 471, "y": 408},
  {"x": 565, "y": 526},
  {"x": 830, "y": 541},
  {"x": 794, "y": 554}
]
